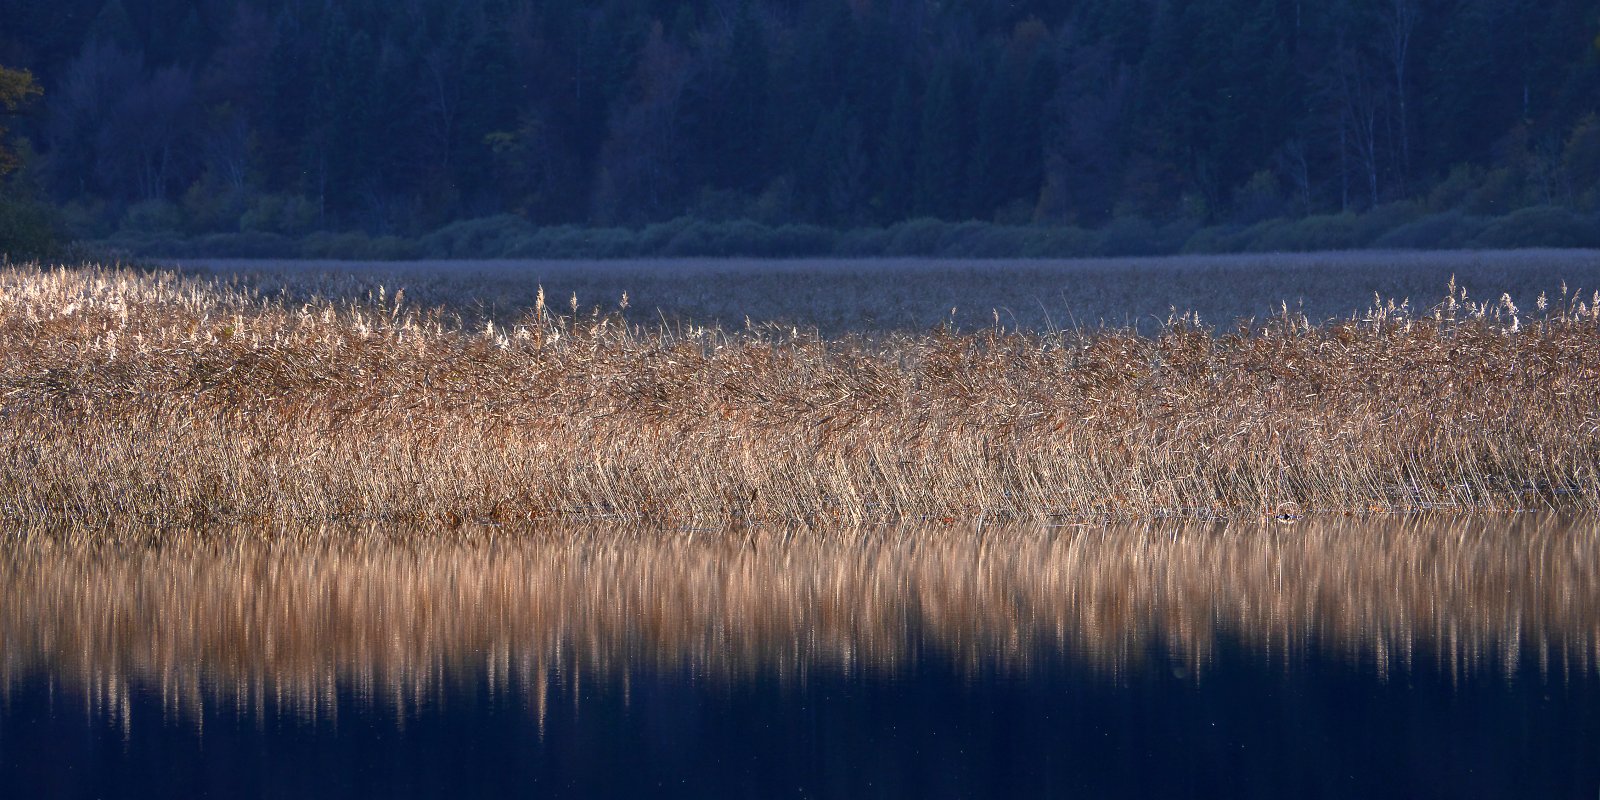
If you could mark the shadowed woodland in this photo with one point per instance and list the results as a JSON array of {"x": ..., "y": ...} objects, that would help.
[{"x": 1157, "y": 119}]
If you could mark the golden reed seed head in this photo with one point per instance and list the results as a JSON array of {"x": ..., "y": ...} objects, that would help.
[{"x": 324, "y": 412}]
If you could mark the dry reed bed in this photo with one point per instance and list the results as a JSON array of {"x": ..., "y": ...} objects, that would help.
[
  {"x": 166, "y": 400},
  {"x": 239, "y": 619}
]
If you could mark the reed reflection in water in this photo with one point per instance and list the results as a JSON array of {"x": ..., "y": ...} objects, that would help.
[{"x": 301, "y": 620}]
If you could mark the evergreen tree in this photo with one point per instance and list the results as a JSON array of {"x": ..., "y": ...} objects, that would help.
[
  {"x": 288, "y": 92},
  {"x": 113, "y": 26},
  {"x": 999, "y": 144},
  {"x": 492, "y": 92},
  {"x": 897, "y": 146},
  {"x": 942, "y": 145},
  {"x": 743, "y": 109}
]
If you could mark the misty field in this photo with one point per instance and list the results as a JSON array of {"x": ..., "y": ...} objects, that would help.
[{"x": 293, "y": 394}]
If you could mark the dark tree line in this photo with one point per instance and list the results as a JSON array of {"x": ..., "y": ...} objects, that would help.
[{"x": 397, "y": 116}]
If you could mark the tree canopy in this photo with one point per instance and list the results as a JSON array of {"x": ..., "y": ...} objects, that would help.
[{"x": 398, "y": 116}]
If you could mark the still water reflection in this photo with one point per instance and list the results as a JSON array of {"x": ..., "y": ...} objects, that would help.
[{"x": 1346, "y": 658}]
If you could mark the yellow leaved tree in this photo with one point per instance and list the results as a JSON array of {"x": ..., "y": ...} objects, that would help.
[{"x": 17, "y": 87}]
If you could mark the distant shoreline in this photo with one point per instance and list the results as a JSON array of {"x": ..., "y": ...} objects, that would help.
[{"x": 1401, "y": 226}]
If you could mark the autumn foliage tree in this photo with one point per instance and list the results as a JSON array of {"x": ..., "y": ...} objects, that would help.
[
  {"x": 17, "y": 87},
  {"x": 26, "y": 228}
]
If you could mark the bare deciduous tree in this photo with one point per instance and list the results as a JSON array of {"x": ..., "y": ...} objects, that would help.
[{"x": 1400, "y": 20}]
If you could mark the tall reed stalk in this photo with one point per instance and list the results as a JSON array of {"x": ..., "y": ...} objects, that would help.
[{"x": 163, "y": 400}]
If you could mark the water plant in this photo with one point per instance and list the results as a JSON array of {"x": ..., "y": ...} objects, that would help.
[{"x": 170, "y": 400}]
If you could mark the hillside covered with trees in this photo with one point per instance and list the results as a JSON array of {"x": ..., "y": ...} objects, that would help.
[{"x": 1166, "y": 124}]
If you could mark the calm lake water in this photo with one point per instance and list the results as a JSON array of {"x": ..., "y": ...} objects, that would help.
[
  {"x": 840, "y": 297},
  {"x": 1333, "y": 658}
]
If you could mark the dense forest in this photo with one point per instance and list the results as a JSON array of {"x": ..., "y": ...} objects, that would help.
[{"x": 395, "y": 118}]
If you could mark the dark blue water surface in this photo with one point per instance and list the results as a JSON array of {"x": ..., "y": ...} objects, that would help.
[
  {"x": 1323, "y": 728},
  {"x": 1287, "y": 711}
]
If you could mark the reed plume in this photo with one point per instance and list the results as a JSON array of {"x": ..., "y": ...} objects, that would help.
[{"x": 166, "y": 400}]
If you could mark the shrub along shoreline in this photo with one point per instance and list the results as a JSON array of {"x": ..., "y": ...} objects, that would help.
[
  {"x": 1401, "y": 226},
  {"x": 168, "y": 400}
]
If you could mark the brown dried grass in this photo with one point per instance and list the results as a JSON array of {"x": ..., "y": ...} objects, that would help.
[{"x": 159, "y": 399}]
